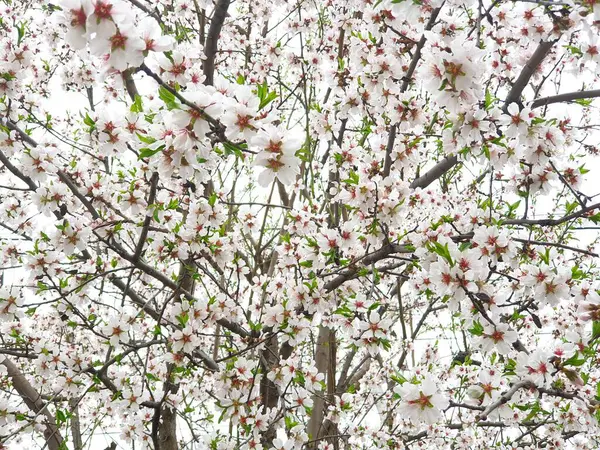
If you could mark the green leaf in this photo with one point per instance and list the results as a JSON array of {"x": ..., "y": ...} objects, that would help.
[
  {"x": 89, "y": 122},
  {"x": 352, "y": 178},
  {"x": 290, "y": 422},
  {"x": 477, "y": 329},
  {"x": 152, "y": 377},
  {"x": 441, "y": 250},
  {"x": 20, "y": 32},
  {"x": 212, "y": 199},
  {"x": 464, "y": 246},
  {"x": 168, "y": 97},
  {"x": 596, "y": 329},
  {"x": 489, "y": 99},
  {"x": 374, "y": 306},
  {"x": 574, "y": 361},
  {"x": 595, "y": 218},
  {"x": 545, "y": 256},
  {"x": 571, "y": 206},
  {"x": 232, "y": 149},
  {"x": 137, "y": 105},
  {"x": 512, "y": 208},
  {"x": 265, "y": 97},
  {"x": 486, "y": 151},
  {"x": 344, "y": 311},
  {"x": 60, "y": 417},
  {"x": 574, "y": 50},
  {"x": 149, "y": 152},
  {"x": 577, "y": 273},
  {"x": 146, "y": 139}
]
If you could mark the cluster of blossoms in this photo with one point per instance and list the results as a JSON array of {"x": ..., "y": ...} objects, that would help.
[
  {"x": 273, "y": 225},
  {"x": 111, "y": 32}
]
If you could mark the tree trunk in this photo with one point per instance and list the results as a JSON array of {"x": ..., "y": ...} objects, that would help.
[
  {"x": 322, "y": 354},
  {"x": 167, "y": 431}
]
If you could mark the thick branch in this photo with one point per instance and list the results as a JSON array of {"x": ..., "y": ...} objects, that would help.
[
  {"x": 144, "y": 8},
  {"x": 567, "y": 97},
  {"x": 211, "y": 120},
  {"x": 130, "y": 84},
  {"x": 417, "y": 55},
  {"x": 552, "y": 222},
  {"x": 435, "y": 172},
  {"x": 369, "y": 259},
  {"x": 505, "y": 398},
  {"x": 321, "y": 359},
  {"x": 212, "y": 39},
  {"x": 556, "y": 244},
  {"x": 407, "y": 78},
  {"x": 530, "y": 67},
  {"x": 16, "y": 172},
  {"x": 148, "y": 219},
  {"x": 34, "y": 402}
]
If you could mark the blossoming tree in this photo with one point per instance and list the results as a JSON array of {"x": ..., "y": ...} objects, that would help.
[{"x": 356, "y": 224}]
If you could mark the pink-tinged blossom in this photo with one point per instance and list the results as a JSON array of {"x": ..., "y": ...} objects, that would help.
[
  {"x": 276, "y": 153},
  {"x": 184, "y": 340},
  {"x": 516, "y": 121},
  {"x": 301, "y": 398},
  {"x": 75, "y": 14},
  {"x": 421, "y": 402},
  {"x": 10, "y": 303},
  {"x": 123, "y": 45},
  {"x": 174, "y": 69},
  {"x": 371, "y": 332},
  {"x": 492, "y": 244},
  {"x": 117, "y": 330},
  {"x": 134, "y": 202},
  {"x": 241, "y": 122},
  {"x": 274, "y": 316},
  {"x": 535, "y": 367},
  {"x": 497, "y": 338},
  {"x": 133, "y": 397},
  {"x": 206, "y": 100},
  {"x": 104, "y": 12},
  {"x": 151, "y": 33},
  {"x": 588, "y": 301}
]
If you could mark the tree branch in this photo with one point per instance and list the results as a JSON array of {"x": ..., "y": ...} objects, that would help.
[
  {"x": 567, "y": 97},
  {"x": 33, "y": 400},
  {"x": 528, "y": 70},
  {"x": 505, "y": 398},
  {"x": 369, "y": 259},
  {"x": 552, "y": 222},
  {"x": 212, "y": 40},
  {"x": 148, "y": 219},
  {"x": 435, "y": 172}
]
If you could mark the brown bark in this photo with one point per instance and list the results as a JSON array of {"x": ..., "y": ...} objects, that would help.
[
  {"x": 268, "y": 390},
  {"x": 167, "y": 431},
  {"x": 167, "y": 417},
  {"x": 210, "y": 50},
  {"x": 322, "y": 354},
  {"x": 34, "y": 402}
]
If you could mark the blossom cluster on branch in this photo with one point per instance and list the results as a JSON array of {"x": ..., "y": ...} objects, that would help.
[{"x": 358, "y": 224}]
